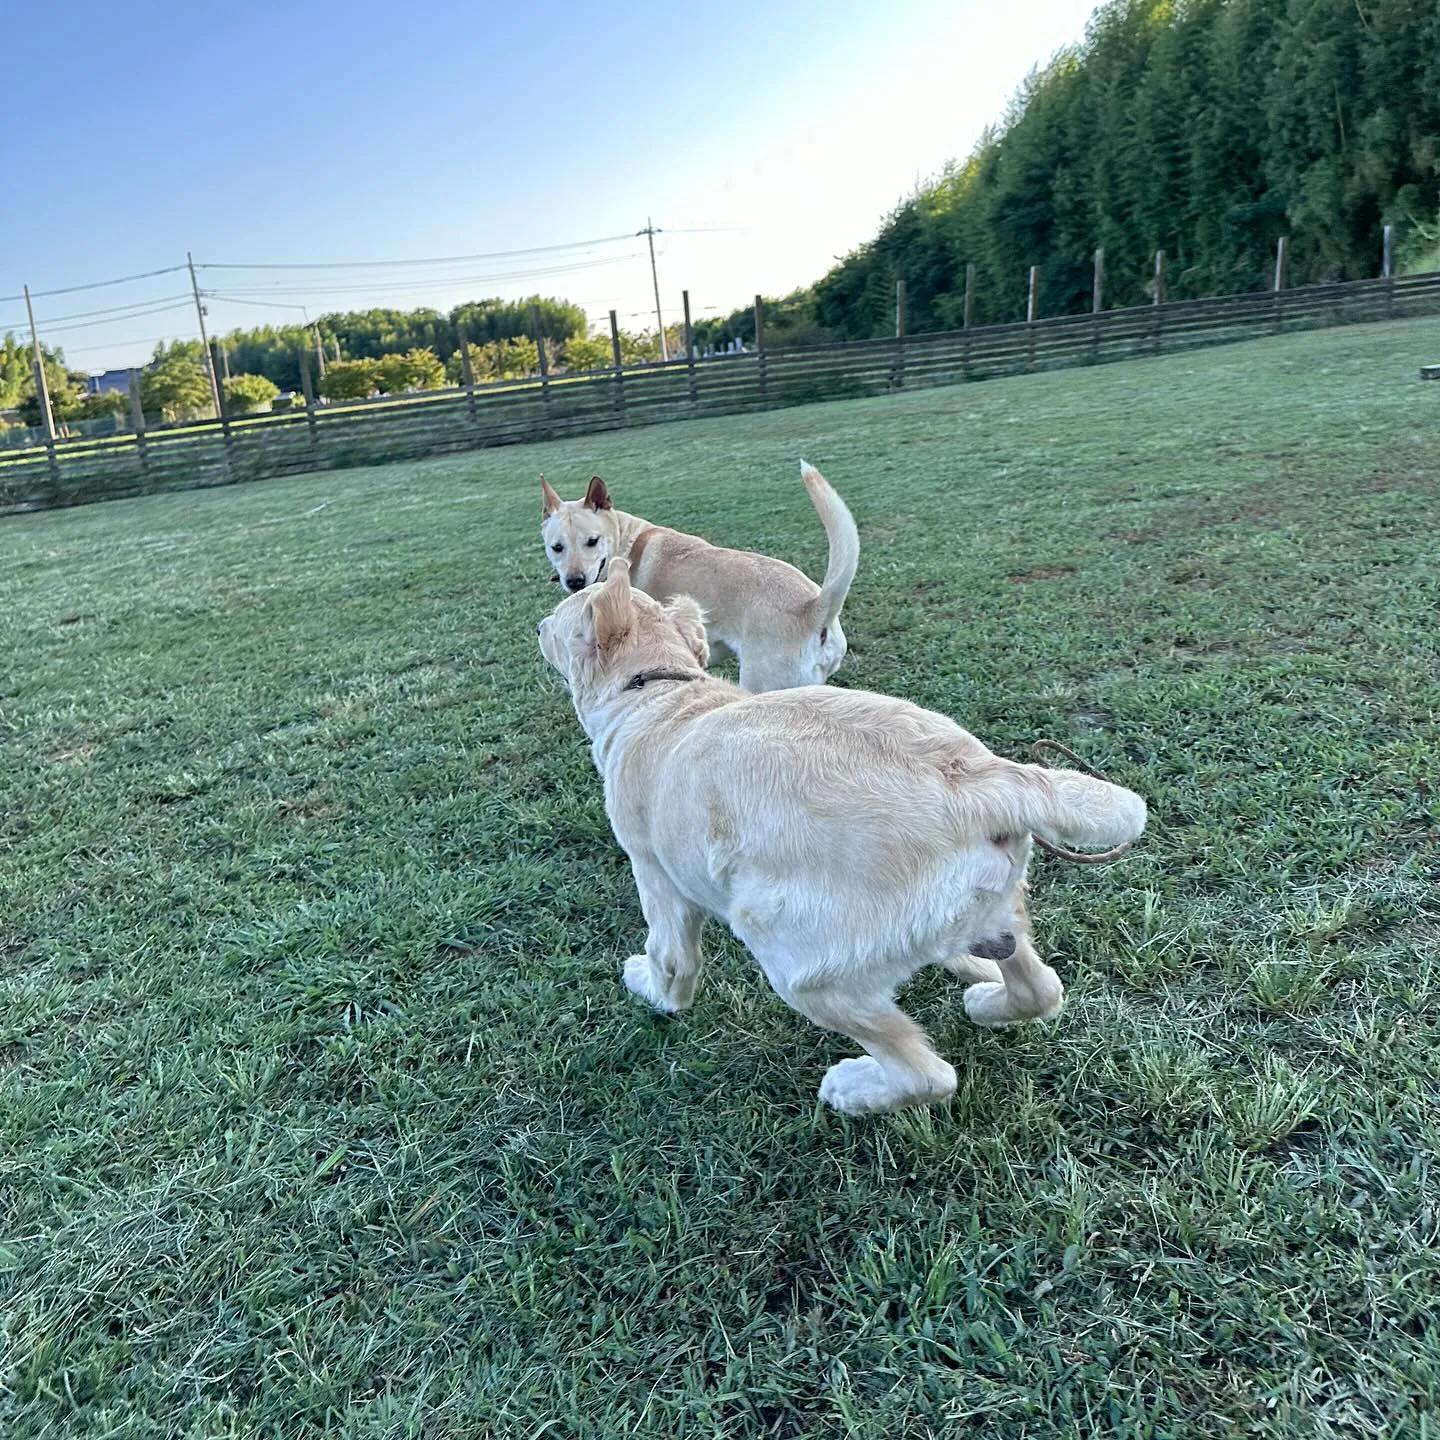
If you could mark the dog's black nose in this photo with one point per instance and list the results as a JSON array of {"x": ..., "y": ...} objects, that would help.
[{"x": 574, "y": 582}]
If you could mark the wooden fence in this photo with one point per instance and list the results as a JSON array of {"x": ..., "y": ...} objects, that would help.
[{"x": 72, "y": 472}]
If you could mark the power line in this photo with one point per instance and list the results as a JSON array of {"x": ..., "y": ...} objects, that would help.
[
  {"x": 427, "y": 260},
  {"x": 241, "y": 300},
  {"x": 430, "y": 282},
  {"x": 134, "y": 315},
  {"x": 359, "y": 264},
  {"x": 113, "y": 310},
  {"x": 115, "y": 344},
  {"x": 101, "y": 284}
]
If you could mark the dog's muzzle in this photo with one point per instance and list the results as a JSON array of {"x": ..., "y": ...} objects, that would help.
[{"x": 574, "y": 582}]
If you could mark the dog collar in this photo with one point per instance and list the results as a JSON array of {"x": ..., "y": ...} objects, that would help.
[{"x": 642, "y": 678}]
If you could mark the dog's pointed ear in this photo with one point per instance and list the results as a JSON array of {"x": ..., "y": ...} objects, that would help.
[
  {"x": 549, "y": 499},
  {"x": 597, "y": 497},
  {"x": 610, "y": 616},
  {"x": 689, "y": 620}
]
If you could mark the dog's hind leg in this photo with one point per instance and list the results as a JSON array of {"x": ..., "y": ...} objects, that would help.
[
  {"x": 768, "y": 666},
  {"x": 665, "y": 976},
  {"x": 901, "y": 1069},
  {"x": 1028, "y": 990},
  {"x": 981, "y": 961}
]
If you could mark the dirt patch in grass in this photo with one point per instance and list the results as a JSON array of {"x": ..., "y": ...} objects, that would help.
[
  {"x": 1197, "y": 649},
  {"x": 1041, "y": 572},
  {"x": 71, "y": 754},
  {"x": 1384, "y": 481},
  {"x": 309, "y": 807}
]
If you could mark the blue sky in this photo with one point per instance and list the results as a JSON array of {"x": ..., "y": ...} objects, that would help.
[{"x": 777, "y": 133}]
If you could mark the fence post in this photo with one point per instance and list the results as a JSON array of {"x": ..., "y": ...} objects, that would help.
[
  {"x": 690, "y": 351},
  {"x": 1158, "y": 298},
  {"x": 467, "y": 370},
  {"x": 137, "y": 421},
  {"x": 619, "y": 367},
  {"x": 217, "y": 349},
  {"x": 898, "y": 375},
  {"x": 1032, "y": 303},
  {"x": 1387, "y": 268},
  {"x": 1282, "y": 252},
  {"x": 969, "y": 315},
  {"x": 1097, "y": 300},
  {"x": 309, "y": 392},
  {"x": 544, "y": 363},
  {"x": 760, "y": 345}
]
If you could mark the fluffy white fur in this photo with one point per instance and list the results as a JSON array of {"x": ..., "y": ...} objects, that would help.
[{"x": 848, "y": 839}]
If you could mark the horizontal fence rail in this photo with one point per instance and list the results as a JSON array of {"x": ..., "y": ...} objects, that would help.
[{"x": 370, "y": 432}]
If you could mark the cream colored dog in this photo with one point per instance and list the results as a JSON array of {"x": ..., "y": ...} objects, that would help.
[
  {"x": 848, "y": 839},
  {"x": 784, "y": 628}
]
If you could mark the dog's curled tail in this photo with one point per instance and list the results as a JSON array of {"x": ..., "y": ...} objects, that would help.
[
  {"x": 1077, "y": 811},
  {"x": 1069, "y": 809},
  {"x": 844, "y": 541}
]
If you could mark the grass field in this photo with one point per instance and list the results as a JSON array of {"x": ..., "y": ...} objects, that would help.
[{"x": 322, "y": 1109}]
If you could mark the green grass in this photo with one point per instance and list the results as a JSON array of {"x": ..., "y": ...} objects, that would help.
[{"x": 322, "y": 1109}]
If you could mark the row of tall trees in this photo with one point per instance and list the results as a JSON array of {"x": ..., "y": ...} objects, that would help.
[{"x": 1206, "y": 128}]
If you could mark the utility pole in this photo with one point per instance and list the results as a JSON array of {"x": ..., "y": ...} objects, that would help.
[
  {"x": 650, "y": 232},
  {"x": 42, "y": 387},
  {"x": 205, "y": 342}
]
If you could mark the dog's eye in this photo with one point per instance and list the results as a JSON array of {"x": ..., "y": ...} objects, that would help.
[
  {"x": 592, "y": 542},
  {"x": 557, "y": 548}
]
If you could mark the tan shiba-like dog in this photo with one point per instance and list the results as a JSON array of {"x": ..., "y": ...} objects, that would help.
[
  {"x": 848, "y": 839},
  {"x": 784, "y": 628}
]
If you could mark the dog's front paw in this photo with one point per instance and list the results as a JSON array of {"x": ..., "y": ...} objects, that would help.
[{"x": 640, "y": 980}]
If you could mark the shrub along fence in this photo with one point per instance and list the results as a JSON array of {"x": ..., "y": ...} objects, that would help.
[{"x": 317, "y": 437}]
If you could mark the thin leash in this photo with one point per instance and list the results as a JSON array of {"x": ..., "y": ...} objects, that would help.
[{"x": 1075, "y": 857}]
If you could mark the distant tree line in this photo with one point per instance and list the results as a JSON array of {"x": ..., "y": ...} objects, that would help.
[
  {"x": 369, "y": 352},
  {"x": 69, "y": 400},
  {"x": 274, "y": 350}
]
